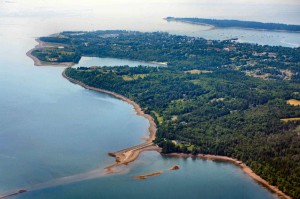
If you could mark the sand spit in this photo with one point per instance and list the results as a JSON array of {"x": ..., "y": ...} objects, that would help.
[
  {"x": 129, "y": 156},
  {"x": 144, "y": 177},
  {"x": 38, "y": 62}
]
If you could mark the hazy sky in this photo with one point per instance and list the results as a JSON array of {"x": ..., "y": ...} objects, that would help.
[
  {"x": 72, "y": 2},
  {"x": 282, "y": 11}
]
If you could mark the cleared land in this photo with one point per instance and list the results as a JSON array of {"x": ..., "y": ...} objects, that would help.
[
  {"x": 294, "y": 102},
  {"x": 290, "y": 119}
]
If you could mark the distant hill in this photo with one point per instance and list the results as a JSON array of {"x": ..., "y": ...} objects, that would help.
[{"x": 225, "y": 23}]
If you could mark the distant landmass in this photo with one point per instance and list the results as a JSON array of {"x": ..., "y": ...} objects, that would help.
[{"x": 226, "y": 23}]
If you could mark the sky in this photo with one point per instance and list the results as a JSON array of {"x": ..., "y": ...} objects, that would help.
[
  {"x": 99, "y": 2},
  {"x": 280, "y": 11}
]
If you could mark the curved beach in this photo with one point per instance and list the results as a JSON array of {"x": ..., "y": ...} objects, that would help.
[
  {"x": 152, "y": 128},
  {"x": 38, "y": 62},
  {"x": 242, "y": 165},
  {"x": 132, "y": 153},
  {"x": 128, "y": 155}
]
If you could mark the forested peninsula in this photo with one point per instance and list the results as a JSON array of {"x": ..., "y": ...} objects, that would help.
[
  {"x": 213, "y": 97},
  {"x": 226, "y": 23}
]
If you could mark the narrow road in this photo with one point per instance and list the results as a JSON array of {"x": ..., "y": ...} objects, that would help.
[{"x": 133, "y": 148}]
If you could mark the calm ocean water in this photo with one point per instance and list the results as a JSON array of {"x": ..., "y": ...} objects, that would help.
[{"x": 50, "y": 128}]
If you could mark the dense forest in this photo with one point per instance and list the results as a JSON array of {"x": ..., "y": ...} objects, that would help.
[
  {"x": 225, "y": 23},
  {"x": 214, "y": 97}
]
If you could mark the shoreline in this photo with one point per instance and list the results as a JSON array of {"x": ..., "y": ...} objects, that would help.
[
  {"x": 134, "y": 154},
  {"x": 152, "y": 128},
  {"x": 131, "y": 154},
  {"x": 247, "y": 170},
  {"x": 41, "y": 44},
  {"x": 233, "y": 27},
  {"x": 38, "y": 62}
]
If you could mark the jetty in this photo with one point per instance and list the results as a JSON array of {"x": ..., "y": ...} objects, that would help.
[{"x": 128, "y": 155}]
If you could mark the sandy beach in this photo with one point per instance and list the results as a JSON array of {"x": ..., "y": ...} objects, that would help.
[
  {"x": 38, "y": 62},
  {"x": 152, "y": 128},
  {"x": 125, "y": 156},
  {"x": 243, "y": 166}
]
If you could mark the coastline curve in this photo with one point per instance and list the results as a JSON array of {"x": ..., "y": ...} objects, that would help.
[
  {"x": 152, "y": 129},
  {"x": 129, "y": 155}
]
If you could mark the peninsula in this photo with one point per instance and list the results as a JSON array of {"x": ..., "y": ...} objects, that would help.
[
  {"x": 215, "y": 97},
  {"x": 225, "y": 23}
]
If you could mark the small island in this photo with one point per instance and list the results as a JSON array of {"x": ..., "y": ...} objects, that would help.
[
  {"x": 214, "y": 100},
  {"x": 225, "y": 23}
]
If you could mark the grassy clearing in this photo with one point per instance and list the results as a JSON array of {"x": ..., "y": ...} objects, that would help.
[
  {"x": 290, "y": 119},
  {"x": 294, "y": 102},
  {"x": 197, "y": 71},
  {"x": 159, "y": 118},
  {"x": 133, "y": 77},
  {"x": 127, "y": 78},
  {"x": 190, "y": 148}
]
